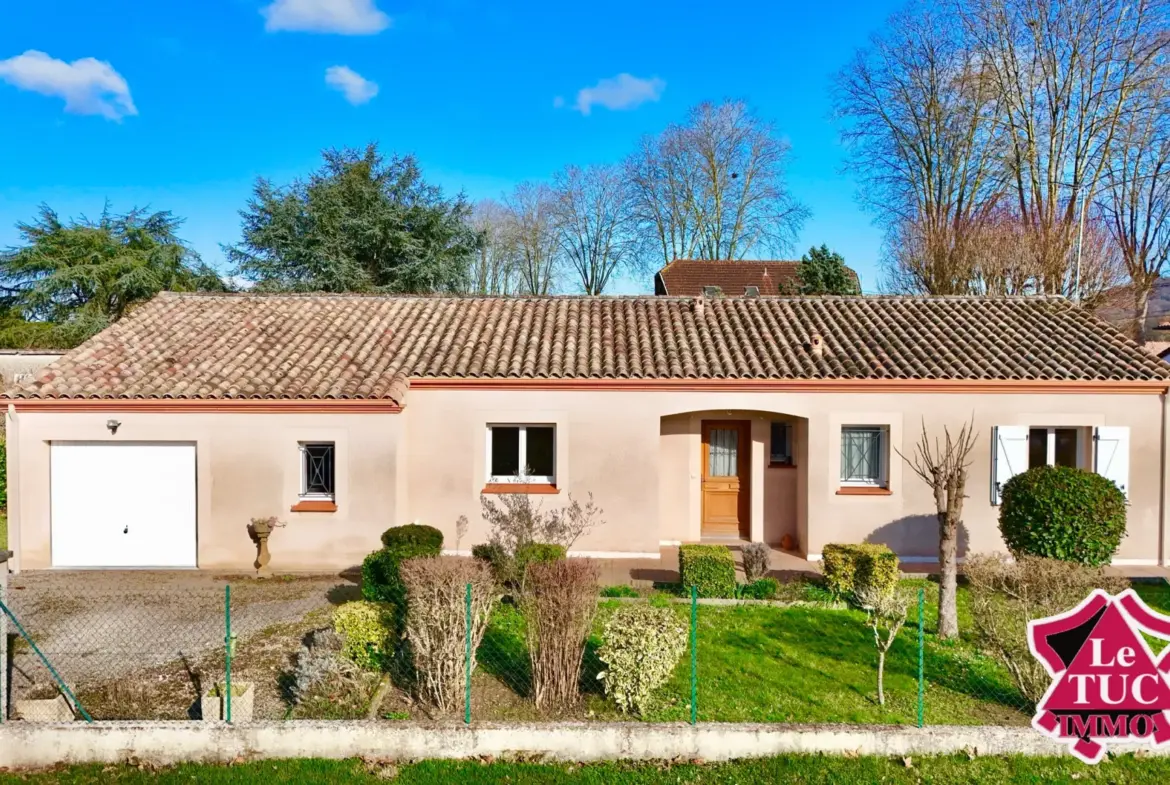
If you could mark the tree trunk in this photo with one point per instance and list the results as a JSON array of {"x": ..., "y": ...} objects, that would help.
[
  {"x": 881, "y": 678},
  {"x": 948, "y": 546},
  {"x": 1140, "y": 311}
]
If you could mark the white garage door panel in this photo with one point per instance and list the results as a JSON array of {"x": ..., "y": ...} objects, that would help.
[{"x": 123, "y": 504}]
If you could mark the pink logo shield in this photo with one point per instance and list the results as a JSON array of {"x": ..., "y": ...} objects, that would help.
[{"x": 1108, "y": 686}]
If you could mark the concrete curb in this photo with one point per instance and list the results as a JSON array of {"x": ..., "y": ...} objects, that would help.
[{"x": 34, "y": 745}]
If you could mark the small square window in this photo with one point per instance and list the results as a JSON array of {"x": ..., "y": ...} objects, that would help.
[
  {"x": 1054, "y": 447},
  {"x": 522, "y": 454},
  {"x": 863, "y": 455},
  {"x": 317, "y": 470},
  {"x": 780, "y": 452}
]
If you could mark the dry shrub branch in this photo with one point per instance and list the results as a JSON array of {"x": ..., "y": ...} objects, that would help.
[{"x": 559, "y": 607}]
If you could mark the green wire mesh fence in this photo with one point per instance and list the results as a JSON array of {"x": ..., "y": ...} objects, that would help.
[{"x": 180, "y": 647}]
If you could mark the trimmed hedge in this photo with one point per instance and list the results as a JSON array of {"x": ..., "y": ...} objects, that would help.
[
  {"x": 709, "y": 568},
  {"x": 380, "y": 579},
  {"x": 1059, "y": 512},
  {"x": 366, "y": 630},
  {"x": 848, "y": 566},
  {"x": 537, "y": 553},
  {"x": 640, "y": 646}
]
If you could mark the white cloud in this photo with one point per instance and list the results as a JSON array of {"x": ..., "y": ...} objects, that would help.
[
  {"x": 620, "y": 92},
  {"x": 348, "y": 17},
  {"x": 88, "y": 86},
  {"x": 357, "y": 89}
]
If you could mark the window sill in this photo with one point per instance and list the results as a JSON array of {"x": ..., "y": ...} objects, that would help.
[
  {"x": 863, "y": 490},
  {"x": 516, "y": 487},
  {"x": 314, "y": 505},
  {"x": 781, "y": 465}
]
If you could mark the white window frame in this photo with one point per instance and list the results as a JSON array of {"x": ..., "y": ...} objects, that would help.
[
  {"x": 536, "y": 479},
  {"x": 304, "y": 494},
  {"x": 883, "y": 479},
  {"x": 1050, "y": 453}
]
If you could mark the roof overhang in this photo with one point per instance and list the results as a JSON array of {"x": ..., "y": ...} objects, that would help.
[{"x": 194, "y": 405}]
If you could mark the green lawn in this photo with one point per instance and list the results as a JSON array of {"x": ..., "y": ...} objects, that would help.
[{"x": 800, "y": 769}]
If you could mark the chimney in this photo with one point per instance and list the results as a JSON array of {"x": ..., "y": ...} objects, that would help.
[
  {"x": 700, "y": 306},
  {"x": 816, "y": 345},
  {"x": 751, "y": 291}
]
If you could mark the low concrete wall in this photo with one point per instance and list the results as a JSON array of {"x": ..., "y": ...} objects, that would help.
[{"x": 32, "y": 745}]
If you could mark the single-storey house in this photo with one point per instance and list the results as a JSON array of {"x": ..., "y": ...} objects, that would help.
[
  {"x": 157, "y": 441},
  {"x": 730, "y": 277}
]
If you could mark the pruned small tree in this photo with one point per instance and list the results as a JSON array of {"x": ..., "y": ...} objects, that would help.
[
  {"x": 885, "y": 608},
  {"x": 944, "y": 468},
  {"x": 559, "y": 607}
]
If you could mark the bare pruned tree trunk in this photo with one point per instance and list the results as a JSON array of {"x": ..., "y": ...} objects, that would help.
[{"x": 944, "y": 468}]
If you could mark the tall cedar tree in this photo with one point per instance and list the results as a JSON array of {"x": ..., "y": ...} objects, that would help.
[
  {"x": 822, "y": 271},
  {"x": 71, "y": 279},
  {"x": 360, "y": 223}
]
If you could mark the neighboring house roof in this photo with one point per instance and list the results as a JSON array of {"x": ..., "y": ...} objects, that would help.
[
  {"x": 688, "y": 277},
  {"x": 324, "y": 346},
  {"x": 1160, "y": 349}
]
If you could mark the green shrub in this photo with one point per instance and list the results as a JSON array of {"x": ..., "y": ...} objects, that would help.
[
  {"x": 509, "y": 570},
  {"x": 843, "y": 565},
  {"x": 366, "y": 630},
  {"x": 380, "y": 579},
  {"x": 413, "y": 538},
  {"x": 495, "y": 556},
  {"x": 1058, "y": 512},
  {"x": 762, "y": 589},
  {"x": 621, "y": 590},
  {"x": 537, "y": 553},
  {"x": 709, "y": 568},
  {"x": 641, "y": 645}
]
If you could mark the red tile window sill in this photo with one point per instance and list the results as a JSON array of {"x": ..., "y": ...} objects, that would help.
[
  {"x": 513, "y": 487},
  {"x": 862, "y": 490},
  {"x": 314, "y": 505}
]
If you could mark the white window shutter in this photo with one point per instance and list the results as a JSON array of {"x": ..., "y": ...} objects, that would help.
[
  {"x": 1010, "y": 456},
  {"x": 1111, "y": 455}
]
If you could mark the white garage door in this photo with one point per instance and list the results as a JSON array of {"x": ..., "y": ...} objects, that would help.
[{"x": 123, "y": 504}]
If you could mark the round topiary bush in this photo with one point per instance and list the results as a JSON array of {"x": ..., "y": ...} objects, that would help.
[{"x": 1062, "y": 513}]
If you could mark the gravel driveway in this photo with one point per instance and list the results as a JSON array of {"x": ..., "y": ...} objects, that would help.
[{"x": 102, "y": 625}]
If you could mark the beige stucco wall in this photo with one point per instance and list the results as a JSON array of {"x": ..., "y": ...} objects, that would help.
[
  {"x": 248, "y": 465},
  {"x": 637, "y": 452}
]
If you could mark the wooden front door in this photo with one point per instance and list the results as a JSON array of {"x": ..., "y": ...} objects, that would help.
[{"x": 726, "y": 473}]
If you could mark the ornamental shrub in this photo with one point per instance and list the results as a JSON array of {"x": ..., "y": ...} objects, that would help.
[
  {"x": 762, "y": 589},
  {"x": 495, "y": 557},
  {"x": 870, "y": 563},
  {"x": 755, "y": 561},
  {"x": 415, "y": 538},
  {"x": 641, "y": 645},
  {"x": 558, "y": 606},
  {"x": 437, "y": 623},
  {"x": 381, "y": 581},
  {"x": 1059, "y": 512},
  {"x": 535, "y": 553},
  {"x": 366, "y": 630},
  {"x": 709, "y": 568}
]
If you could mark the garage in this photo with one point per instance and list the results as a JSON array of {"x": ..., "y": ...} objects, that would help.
[{"x": 124, "y": 504}]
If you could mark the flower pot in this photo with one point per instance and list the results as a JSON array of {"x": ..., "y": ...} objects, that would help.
[
  {"x": 56, "y": 709},
  {"x": 213, "y": 706}
]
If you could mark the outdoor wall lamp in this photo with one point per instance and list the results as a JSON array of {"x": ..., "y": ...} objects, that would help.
[{"x": 113, "y": 425}]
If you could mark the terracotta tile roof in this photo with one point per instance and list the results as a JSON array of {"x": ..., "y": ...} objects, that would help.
[
  {"x": 687, "y": 277},
  {"x": 358, "y": 346}
]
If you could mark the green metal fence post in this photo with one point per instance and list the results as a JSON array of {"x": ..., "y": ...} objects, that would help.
[
  {"x": 467, "y": 668},
  {"x": 44, "y": 661},
  {"x": 694, "y": 655},
  {"x": 921, "y": 656},
  {"x": 227, "y": 649}
]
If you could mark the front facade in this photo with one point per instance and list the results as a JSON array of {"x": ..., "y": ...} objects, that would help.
[{"x": 757, "y": 420}]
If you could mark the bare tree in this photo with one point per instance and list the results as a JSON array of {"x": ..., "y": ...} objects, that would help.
[
  {"x": 944, "y": 468},
  {"x": 1065, "y": 72},
  {"x": 532, "y": 214},
  {"x": 1136, "y": 197},
  {"x": 919, "y": 109},
  {"x": 494, "y": 267},
  {"x": 594, "y": 225},
  {"x": 714, "y": 187}
]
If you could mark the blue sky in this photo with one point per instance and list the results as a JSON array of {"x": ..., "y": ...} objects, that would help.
[{"x": 182, "y": 104}]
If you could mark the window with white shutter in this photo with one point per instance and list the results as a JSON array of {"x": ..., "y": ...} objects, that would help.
[
  {"x": 1009, "y": 456},
  {"x": 1111, "y": 456}
]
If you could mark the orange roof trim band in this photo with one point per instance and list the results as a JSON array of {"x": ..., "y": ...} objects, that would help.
[{"x": 188, "y": 405}]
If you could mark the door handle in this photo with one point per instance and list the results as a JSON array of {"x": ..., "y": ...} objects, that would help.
[{"x": 126, "y": 529}]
